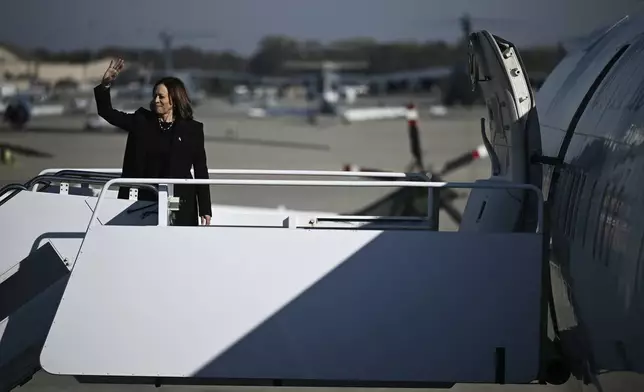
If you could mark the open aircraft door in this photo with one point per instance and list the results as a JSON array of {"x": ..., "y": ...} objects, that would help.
[
  {"x": 513, "y": 141},
  {"x": 512, "y": 137}
]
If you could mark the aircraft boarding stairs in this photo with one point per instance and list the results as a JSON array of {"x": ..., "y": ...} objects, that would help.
[{"x": 99, "y": 287}]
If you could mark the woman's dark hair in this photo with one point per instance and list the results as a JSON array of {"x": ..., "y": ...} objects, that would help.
[{"x": 181, "y": 104}]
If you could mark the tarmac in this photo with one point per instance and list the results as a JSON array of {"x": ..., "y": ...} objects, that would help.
[{"x": 234, "y": 141}]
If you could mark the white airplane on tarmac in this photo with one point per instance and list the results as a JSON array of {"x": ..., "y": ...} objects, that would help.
[{"x": 101, "y": 289}]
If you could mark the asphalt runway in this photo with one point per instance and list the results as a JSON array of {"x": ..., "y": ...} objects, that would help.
[{"x": 282, "y": 143}]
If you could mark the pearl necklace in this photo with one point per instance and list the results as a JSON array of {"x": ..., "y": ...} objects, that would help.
[{"x": 163, "y": 126}]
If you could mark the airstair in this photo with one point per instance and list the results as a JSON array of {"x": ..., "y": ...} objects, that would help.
[
  {"x": 108, "y": 289},
  {"x": 93, "y": 286}
]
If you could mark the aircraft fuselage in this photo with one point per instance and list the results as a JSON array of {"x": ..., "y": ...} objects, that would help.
[{"x": 591, "y": 113}]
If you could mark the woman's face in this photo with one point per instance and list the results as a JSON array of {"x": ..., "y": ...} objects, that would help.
[{"x": 162, "y": 103}]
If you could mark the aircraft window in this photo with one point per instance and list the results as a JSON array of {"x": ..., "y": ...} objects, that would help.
[{"x": 586, "y": 216}]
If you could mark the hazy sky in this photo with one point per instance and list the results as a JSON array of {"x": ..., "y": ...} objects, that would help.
[{"x": 239, "y": 24}]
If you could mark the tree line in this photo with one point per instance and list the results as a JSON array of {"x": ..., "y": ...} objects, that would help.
[{"x": 274, "y": 51}]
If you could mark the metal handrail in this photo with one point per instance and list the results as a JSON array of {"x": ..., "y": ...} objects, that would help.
[
  {"x": 371, "y": 184},
  {"x": 8, "y": 188},
  {"x": 43, "y": 178},
  {"x": 56, "y": 170},
  {"x": 46, "y": 178},
  {"x": 77, "y": 174},
  {"x": 82, "y": 173},
  {"x": 321, "y": 173}
]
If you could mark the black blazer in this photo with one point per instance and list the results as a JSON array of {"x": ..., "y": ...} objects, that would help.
[{"x": 187, "y": 150}]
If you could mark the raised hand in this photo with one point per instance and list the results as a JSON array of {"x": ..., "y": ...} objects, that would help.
[{"x": 112, "y": 71}]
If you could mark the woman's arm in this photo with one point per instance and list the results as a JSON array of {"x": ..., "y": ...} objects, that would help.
[
  {"x": 125, "y": 121},
  {"x": 104, "y": 107},
  {"x": 201, "y": 171}
]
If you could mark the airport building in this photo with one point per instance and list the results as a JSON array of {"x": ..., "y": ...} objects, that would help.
[{"x": 21, "y": 69}]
